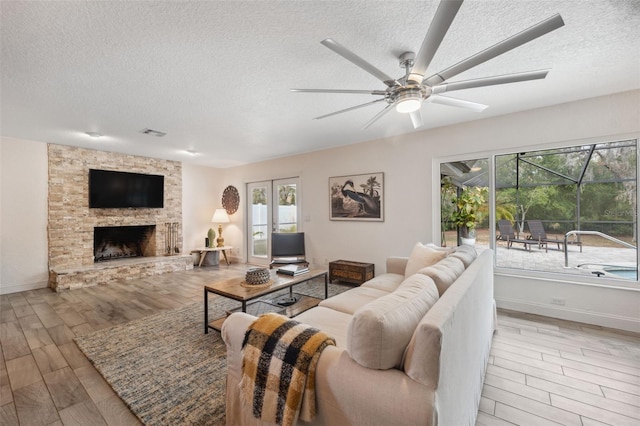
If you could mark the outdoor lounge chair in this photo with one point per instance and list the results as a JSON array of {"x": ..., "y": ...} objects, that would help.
[
  {"x": 508, "y": 234},
  {"x": 536, "y": 229}
]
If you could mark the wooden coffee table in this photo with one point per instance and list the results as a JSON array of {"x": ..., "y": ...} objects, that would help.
[{"x": 232, "y": 289}]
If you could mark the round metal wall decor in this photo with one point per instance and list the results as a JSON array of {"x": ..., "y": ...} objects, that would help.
[{"x": 230, "y": 199}]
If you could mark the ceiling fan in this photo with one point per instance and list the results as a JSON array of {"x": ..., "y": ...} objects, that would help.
[{"x": 408, "y": 93}]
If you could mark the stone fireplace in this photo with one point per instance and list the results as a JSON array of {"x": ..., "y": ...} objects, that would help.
[
  {"x": 121, "y": 242},
  {"x": 91, "y": 246}
]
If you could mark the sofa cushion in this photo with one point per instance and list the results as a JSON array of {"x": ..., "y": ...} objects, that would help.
[
  {"x": 422, "y": 256},
  {"x": 444, "y": 273},
  {"x": 385, "y": 282},
  {"x": 467, "y": 254},
  {"x": 352, "y": 300},
  {"x": 331, "y": 322},
  {"x": 379, "y": 332}
]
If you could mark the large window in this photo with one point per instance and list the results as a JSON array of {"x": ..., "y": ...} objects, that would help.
[
  {"x": 464, "y": 203},
  {"x": 568, "y": 210}
]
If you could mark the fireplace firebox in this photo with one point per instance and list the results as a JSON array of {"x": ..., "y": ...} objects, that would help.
[{"x": 120, "y": 242}]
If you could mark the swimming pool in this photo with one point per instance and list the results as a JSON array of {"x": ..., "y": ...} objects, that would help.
[
  {"x": 622, "y": 272},
  {"x": 611, "y": 271}
]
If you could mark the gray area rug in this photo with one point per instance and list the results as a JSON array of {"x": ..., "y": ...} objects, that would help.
[{"x": 165, "y": 369}]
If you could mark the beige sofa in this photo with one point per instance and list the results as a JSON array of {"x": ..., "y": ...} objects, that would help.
[{"x": 390, "y": 367}]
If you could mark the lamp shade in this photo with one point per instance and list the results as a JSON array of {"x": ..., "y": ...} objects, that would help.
[{"x": 220, "y": 216}]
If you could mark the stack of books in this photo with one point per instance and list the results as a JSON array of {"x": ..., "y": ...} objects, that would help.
[{"x": 293, "y": 270}]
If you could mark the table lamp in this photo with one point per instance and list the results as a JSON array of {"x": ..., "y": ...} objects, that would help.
[{"x": 220, "y": 216}]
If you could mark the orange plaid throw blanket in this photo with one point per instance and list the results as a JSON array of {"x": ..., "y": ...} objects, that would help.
[{"x": 278, "y": 368}]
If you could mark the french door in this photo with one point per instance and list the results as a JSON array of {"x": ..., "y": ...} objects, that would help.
[{"x": 274, "y": 206}]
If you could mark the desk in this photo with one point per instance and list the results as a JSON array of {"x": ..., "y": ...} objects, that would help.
[{"x": 203, "y": 252}]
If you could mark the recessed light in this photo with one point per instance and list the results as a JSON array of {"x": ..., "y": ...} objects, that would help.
[
  {"x": 156, "y": 133},
  {"x": 93, "y": 134}
]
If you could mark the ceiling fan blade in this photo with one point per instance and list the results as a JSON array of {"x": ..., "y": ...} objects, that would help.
[
  {"x": 490, "y": 81},
  {"x": 349, "y": 109},
  {"x": 440, "y": 24},
  {"x": 531, "y": 33},
  {"x": 357, "y": 60},
  {"x": 454, "y": 102},
  {"x": 416, "y": 119},
  {"x": 364, "y": 92},
  {"x": 378, "y": 116}
]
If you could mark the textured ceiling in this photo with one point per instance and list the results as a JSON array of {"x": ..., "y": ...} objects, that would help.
[{"x": 216, "y": 75}]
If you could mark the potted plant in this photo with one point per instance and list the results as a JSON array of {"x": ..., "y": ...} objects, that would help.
[{"x": 467, "y": 203}]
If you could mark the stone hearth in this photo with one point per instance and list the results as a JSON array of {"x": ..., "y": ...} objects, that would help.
[{"x": 123, "y": 269}]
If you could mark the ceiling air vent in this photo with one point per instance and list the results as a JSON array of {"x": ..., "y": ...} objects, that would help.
[{"x": 152, "y": 132}]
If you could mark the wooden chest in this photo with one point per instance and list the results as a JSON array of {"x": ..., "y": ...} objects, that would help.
[{"x": 351, "y": 272}]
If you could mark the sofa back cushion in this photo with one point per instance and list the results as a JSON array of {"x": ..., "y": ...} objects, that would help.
[
  {"x": 467, "y": 254},
  {"x": 444, "y": 273},
  {"x": 422, "y": 256},
  {"x": 379, "y": 332}
]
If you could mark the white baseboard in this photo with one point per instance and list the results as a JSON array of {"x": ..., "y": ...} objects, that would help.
[
  {"x": 7, "y": 289},
  {"x": 588, "y": 317}
]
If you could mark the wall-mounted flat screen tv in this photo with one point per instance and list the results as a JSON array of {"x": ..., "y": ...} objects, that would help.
[{"x": 111, "y": 189}]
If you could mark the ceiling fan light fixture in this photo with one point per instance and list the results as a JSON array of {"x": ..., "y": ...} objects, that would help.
[
  {"x": 408, "y": 93},
  {"x": 409, "y": 101}
]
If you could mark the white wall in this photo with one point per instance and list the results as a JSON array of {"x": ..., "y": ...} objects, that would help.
[
  {"x": 406, "y": 200},
  {"x": 408, "y": 161},
  {"x": 594, "y": 304},
  {"x": 201, "y": 196},
  {"x": 23, "y": 215}
]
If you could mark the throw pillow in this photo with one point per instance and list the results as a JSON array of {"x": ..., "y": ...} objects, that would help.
[
  {"x": 379, "y": 332},
  {"x": 422, "y": 256},
  {"x": 444, "y": 273},
  {"x": 449, "y": 250}
]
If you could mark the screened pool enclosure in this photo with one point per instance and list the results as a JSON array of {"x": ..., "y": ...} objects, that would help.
[{"x": 565, "y": 210}]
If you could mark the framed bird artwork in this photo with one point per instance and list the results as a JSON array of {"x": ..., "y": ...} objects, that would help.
[{"x": 357, "y": 197}]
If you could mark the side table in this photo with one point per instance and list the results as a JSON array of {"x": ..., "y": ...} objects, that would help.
[
  {"x": 351, "y": 272},
  {"x": 203, "y": 252}
]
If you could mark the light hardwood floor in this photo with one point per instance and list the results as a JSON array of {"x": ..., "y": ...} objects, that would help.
[{"x": 542, "y": 371}]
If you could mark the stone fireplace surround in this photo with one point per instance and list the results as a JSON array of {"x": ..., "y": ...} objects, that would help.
[{"x": 71, "y": 222}]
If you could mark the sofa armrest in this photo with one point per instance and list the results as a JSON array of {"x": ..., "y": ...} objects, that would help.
[
  {"x": 396, "y": 265},
  {"x": 233, "y": 329},
  {"x": 346, "y": 392},
  {"x": 464, "y": 315}
]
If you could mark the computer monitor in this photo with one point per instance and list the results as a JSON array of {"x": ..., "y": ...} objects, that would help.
[
  {"x": 286, "y": 248},
  {"x": 287, "y": 244}
]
